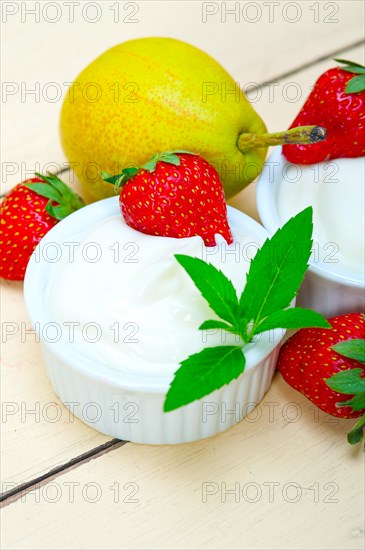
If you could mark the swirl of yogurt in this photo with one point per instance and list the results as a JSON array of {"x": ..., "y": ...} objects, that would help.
[
  {"x": 134, "y": 311},
  {"x": 336, "y": 191}
]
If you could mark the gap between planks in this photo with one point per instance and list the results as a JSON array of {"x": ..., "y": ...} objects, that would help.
[
  {"x": 304, "y": 66},
  {"x": 17, "y": 492}
]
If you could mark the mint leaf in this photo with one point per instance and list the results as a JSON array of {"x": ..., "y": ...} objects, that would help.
[
  {"x": 202, "y": 373},
  {"x": 348, "y": 381},
  {"x": 274, "y": 277},
  {"x": 215, "y": 324},
  {"x": 214, "y": 286},
  {"x": 353, "y": 349},
  {"x": 357, "y": 403},
  {"x": 292, "y": 318},
  {"x": 277, "y": 270},
  {"x": 356, "y": 434},
  {"x": 356, "y": 84}
]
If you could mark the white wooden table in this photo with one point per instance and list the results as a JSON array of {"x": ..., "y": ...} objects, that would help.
[{"x": 285, "y": 477}]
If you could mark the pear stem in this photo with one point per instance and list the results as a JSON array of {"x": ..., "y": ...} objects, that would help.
[{"x": 303, "y": 135}]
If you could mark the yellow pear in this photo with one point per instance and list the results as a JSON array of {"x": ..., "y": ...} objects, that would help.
[{"x": 151, "y": 95}]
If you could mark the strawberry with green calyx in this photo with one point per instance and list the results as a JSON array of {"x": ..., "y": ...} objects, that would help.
[
  {"x": 328, "y": 366},
  {"x": 27, "y": 213},
  {"x": 351, "y": 382},
  {"x": 337, "y": 102},
  {"x": 174, "y": 194}
]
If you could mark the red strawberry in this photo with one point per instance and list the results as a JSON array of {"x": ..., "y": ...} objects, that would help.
[
  {"x": 27, "y": 213},
  {"x": 338, "y": 103},
  {"x": 175, "y": 194},
  {"x": 307, "y": 359}
]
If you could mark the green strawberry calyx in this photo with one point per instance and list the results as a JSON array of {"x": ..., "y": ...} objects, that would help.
[
  {"x": 350, "y": 382},
  {"x": 357, "y": 83},
  {"x": 171, "y": 157},
  {"x": 62, "y": 199}
]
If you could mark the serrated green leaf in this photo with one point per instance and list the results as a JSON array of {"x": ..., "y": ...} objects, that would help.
[
  {"x": 292, "y": 318},
  {"x": 277, "y": 270},
  {"x": 348, "y": 382},
  {"x": 353, "y": 349},
  {"x": 214, "y": 286},
  {"x": 357, "y": 403},
  {"x": 356, "y": 434},
  {"x": 356, "y": 84},
  {"x": 215, "y": 324},
  {"x": 202, "y": 373}
]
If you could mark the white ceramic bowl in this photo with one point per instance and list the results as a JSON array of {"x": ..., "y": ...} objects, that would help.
[
  {"x": 130, "y": 407},
  {"x": 323, "y": 289}
]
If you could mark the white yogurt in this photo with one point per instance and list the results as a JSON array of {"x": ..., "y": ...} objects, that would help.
[
  {"x": 141, "y": 308},
  {"x": 335, "y": 189}
]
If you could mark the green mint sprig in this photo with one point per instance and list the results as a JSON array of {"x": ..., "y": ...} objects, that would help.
[
  {"x": 350, "y": 382},
  {"x": 274, "y": 277}
]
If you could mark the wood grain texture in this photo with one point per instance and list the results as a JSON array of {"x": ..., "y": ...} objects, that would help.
[
  {"x": 296, "y": 484},
  {"x": 38, "y": 433}
]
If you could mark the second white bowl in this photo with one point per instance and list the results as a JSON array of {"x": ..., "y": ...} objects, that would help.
[{"x": 324, "y": 289}]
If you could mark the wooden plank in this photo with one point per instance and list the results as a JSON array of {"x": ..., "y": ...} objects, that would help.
[
  {"x": 38, "y": 433},
  {"x": 33, "y": 447},
  {"x": 283, "y": 478}
]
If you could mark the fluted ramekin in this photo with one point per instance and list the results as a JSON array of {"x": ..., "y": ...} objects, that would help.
[
  {"x": 323, "y": 289},
  {"x": 131, "y": 407}
]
